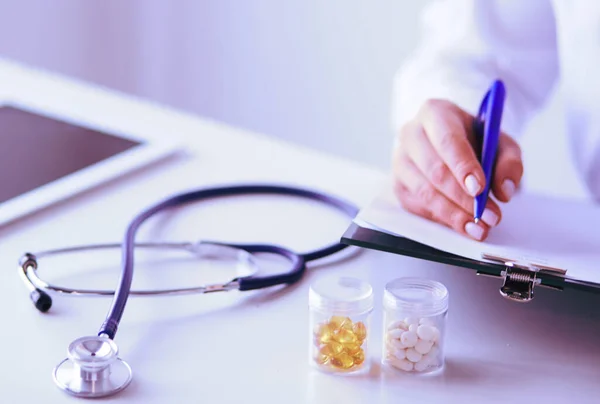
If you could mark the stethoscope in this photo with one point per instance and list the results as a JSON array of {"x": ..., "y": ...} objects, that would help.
[{"x": 92, "y": 368}]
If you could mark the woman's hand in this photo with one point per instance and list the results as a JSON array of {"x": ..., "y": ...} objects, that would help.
[{"x": 437, "y": 174}]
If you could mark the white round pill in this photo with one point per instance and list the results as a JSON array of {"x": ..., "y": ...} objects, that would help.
[
  {"x": 423, "y": 346},
  {"x": 413, "y": 355},
  {"x": 436, "y": 334},
  {"x": 397, "y": 344},
  {"x": 389, "y": 339},
  {"x": 398, "y": 324},
  {"x": 402, "y": 364},
  {"x": 413, "y": 327},
  {"x": 429, "y": 360},
  {"x": 421, "y": 366},
  {"x": 426, "y": 332},
  {"x": 400, "y": 354},
  {"x": 390, "y": 349},
  {"x": 411, "y": 320},
  {"x": 431, "y": 357},
  {"x": 409, "y": 338},
  {"x": 397, "y": 333}
]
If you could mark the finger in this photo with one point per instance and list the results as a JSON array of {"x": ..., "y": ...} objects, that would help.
[
  {"x": 509, "y": 169},
  {"x": 417, "y": 195},
  {"x": 410, "y": 203},
  {"x": 446, "y": 126},
  {"x": 424, "y": 156},
  {"x": 492, "y": 214}
]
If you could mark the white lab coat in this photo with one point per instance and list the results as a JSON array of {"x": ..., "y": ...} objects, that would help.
[{"x": 532, "y": 45}]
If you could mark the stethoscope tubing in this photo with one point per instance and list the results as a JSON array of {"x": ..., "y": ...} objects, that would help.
[
  {"x": 30, "y": 276},
  {"x": 121, "y": 293}
]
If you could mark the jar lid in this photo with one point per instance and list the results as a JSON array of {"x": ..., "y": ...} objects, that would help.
[
  {"x": 341, "y": 295},
  {"x": 418, "y": 295}
]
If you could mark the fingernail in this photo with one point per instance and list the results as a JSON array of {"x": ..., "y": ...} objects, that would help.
[
  {"x": 472, "y": 184},
  {"x": 508, "y": 188},
  {"x": 489, "y": 217},
  {"x": 474, "y": 230}
]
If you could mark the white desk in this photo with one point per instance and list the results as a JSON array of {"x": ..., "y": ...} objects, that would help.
[{"x": 252, "y": 346}]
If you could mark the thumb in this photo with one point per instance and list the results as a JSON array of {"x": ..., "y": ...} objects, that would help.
[{"x": 509, "y": 169}]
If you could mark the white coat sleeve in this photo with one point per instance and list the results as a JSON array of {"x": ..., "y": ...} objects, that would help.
[{"x": 466, "y": 44}]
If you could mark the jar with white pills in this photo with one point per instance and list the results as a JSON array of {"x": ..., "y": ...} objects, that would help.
[
  {"x": 415, "y": 312},
  {"x": 339, "y": 326}
]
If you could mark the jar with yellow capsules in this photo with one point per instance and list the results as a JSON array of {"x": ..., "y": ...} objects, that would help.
[
  {"x": 415, "y": 312},
  {"x": 340, "y": 312}
]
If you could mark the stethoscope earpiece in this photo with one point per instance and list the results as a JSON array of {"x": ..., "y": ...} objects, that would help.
[{"x": 92, "y": 368}]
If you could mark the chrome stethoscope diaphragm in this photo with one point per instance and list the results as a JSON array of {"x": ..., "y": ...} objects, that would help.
[{"x": 92, "y": 368}]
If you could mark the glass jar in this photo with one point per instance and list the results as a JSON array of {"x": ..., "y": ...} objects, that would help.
[
  {"x": 415, "y": 313},
  {"x": 340, "y": 312}
]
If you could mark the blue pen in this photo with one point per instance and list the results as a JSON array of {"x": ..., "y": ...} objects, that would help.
[{"x": 487, "y": 131}]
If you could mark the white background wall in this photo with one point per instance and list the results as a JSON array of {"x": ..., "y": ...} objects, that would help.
[{"x": 313, "y": 72}]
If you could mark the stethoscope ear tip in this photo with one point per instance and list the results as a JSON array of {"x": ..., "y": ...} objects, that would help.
[{"x": 41, "y": 300}]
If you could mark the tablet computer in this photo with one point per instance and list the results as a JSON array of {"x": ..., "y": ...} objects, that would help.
[{"x": 46, "y": 158}]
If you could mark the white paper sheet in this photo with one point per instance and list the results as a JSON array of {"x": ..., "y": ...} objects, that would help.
[{"x": 555, "y": 232}]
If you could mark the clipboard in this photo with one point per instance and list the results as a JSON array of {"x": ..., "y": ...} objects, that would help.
[{"x": 517, "y": 281}]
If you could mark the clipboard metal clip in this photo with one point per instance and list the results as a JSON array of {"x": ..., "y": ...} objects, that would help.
[
  {"x": 518, "y": 282},
  {"x": 519, "y": 278}
]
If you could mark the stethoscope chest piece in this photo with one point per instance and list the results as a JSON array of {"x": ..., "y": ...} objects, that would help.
[{"x": 92, "y": 369}]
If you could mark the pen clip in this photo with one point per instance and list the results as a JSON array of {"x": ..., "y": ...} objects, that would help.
[
  {"x": 479, "y": 126},
  {"x": 483, "y": 107}
]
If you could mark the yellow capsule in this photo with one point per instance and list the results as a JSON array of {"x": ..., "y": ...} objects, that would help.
[
  {"x": 326, "y": 351},
  {"x": 359, "y": 357},
  {"x": 337, "y": 322},
  {"x": 343, "y": 361},
  {"x": 352, "y": 348},
  {"x": 322, "y": 358},
  {"x": 346, "y": 337},
  {"x": 347, "y": 325},
  {"x": 360, "y": 331},
  {"x": 325, "y": 333},
  {"x": 316, "y": 341},
  {"x": 335, "y": 347}
]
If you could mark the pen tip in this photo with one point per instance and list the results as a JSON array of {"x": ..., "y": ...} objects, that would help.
[{"x": 476, "y": 220}]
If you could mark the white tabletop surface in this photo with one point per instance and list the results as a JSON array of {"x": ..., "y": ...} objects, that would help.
[{"x": 252, "y": 346}]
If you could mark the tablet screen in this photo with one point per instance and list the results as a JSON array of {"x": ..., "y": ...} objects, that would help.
[{"x": 36, "y": 150}]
